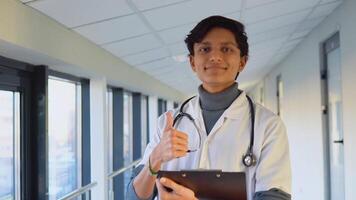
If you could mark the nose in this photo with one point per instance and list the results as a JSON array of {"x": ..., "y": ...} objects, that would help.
[{"x": 215, "y": 56}]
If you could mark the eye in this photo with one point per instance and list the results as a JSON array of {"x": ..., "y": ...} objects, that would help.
[
  {"x": 204, "y": 49},
  {"x": 226, "y": 49}
]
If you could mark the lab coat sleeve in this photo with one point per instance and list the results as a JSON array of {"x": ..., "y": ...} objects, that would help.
[{"x": 273, "y": 168}]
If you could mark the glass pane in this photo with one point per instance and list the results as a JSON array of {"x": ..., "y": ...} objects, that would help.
[
  {"x": 143, "y": 124},
  {"x": 7, "y": 145},
  {"x": 128, "y": 151},
  {"x": 63, "y": 138},
  {"x": 109, "y": 108}
]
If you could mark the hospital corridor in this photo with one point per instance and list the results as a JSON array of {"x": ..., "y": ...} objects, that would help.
[{"x": 90, "y": 90}]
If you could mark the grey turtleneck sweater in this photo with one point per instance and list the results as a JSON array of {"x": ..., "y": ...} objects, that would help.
[{"x": 213, "y": 106}]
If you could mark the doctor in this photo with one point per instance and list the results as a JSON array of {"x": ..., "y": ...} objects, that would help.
[{"x": 218, "y": 129}]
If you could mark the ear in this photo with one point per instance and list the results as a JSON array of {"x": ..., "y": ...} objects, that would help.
[
  {"x": 192, "y": 63},
  {"x": 243, "y": 62}
]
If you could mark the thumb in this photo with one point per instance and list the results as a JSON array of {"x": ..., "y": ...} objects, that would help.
[{"x": 169, "y": 121}]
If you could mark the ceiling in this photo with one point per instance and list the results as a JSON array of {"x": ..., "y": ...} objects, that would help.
[{"x": 149, "y": 34}]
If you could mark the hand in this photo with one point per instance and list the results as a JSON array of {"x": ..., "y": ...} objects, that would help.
[
  {"x": 173, "y": 144},
  {"x": 178, "y": 191}
]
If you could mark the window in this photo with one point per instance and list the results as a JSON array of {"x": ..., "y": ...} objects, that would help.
[
  {"x": 162, "y": 106},
  {"x": 128, "y": 139},
  {"x": 9, "y": 144},
  {"x": 64, "y": 136}
]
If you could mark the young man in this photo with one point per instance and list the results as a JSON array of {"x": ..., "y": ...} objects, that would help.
[{"x": 219, "y": 136}]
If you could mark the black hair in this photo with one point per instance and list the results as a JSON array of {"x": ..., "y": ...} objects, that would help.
[{"x": 198, "y": 33}]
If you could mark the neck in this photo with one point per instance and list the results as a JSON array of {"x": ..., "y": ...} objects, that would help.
[
  {"x": 211, "y": 88},
  {"x": 218, "y": 101}
]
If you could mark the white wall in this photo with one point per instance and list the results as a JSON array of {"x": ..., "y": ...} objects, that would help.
[
  {"x": 153, "y": 115},
  {"x": 257, "y": 93},
  {"x": 302, "y": 104},
  {"x": 99, "y": 138}
]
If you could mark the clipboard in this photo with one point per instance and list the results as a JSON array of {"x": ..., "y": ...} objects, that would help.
[{"x": 210, "y": 184}]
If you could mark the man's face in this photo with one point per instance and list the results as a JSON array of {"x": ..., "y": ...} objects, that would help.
[{"x": 217, "y": 60}]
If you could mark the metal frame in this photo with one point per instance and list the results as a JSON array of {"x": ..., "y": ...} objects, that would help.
[
  {"x": 118, "y": 146},
  {"x": 148, "y": 120},
  {"x": 85, "y": 130},
  {"x": 85, "y": 191},
  {"x": 136, "y": 126},
  {"x": 124, "y": 169},
  {"x": 144, "y": 123}
]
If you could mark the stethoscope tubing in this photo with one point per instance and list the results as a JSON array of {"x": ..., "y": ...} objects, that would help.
[{"x": 249, "y": 153}]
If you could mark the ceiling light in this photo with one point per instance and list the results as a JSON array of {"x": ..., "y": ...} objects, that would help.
[{"x": 180, "y": 58}]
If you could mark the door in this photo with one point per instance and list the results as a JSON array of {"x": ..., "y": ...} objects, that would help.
[{"x": 331, "y": 73}]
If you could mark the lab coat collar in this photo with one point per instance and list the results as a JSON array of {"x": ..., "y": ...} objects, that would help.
[
  {"x": 239, "y": 105},
  {"x": 232, "y": 112}
]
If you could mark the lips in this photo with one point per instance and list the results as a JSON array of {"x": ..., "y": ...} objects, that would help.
[{"x": 215, "y": 67}]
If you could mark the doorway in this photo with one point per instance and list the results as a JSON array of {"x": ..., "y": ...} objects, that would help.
[{"x": 332, "y": 117}]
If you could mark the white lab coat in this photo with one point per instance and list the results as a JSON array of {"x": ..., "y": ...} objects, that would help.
[{"x": 228, "y": 141}]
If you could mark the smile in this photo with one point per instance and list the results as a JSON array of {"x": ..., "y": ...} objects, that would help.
[{"x": 215, "y": 68}]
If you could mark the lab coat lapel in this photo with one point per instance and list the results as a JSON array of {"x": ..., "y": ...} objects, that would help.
[{"x": 234, "y": 111}]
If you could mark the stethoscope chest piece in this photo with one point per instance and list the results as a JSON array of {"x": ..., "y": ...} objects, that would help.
[{"x": 249, "y": 159}]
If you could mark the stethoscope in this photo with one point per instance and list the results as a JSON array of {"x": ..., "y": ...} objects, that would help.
[{"x": 249, "y": 159}]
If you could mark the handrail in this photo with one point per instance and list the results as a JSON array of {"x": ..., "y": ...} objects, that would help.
[
  {"x": 79, "y": 191},
  {"x": 123, "y": 169}
]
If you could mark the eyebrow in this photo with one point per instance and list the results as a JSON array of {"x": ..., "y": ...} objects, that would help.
[
  {"x": 230, "y": 43},
  {"x": 224, "y": 43}
]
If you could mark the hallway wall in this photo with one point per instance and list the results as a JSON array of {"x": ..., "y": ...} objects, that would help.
[{"x": 300, "y": 73}]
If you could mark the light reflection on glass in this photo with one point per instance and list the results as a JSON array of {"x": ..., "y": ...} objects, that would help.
[
  {"x": 62, "y": 139},
  {"x": 127, "y": 136},
  {"x": 7, "y": 144}
]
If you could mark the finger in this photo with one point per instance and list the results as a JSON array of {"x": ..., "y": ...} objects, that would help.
[
  {"x": 160, "y": 187},
  {"x": 177, "y": 188},
  {"x": 179, "y": 154},
  {"x": 179, "y": 141},
  {"x": 163, "y": 193},
  {"x": 173, "y": 185},
  {"x": 169, "y": 121},
  {"x": 179, "y": 147},
  {"x": 180, "y": 134}
]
